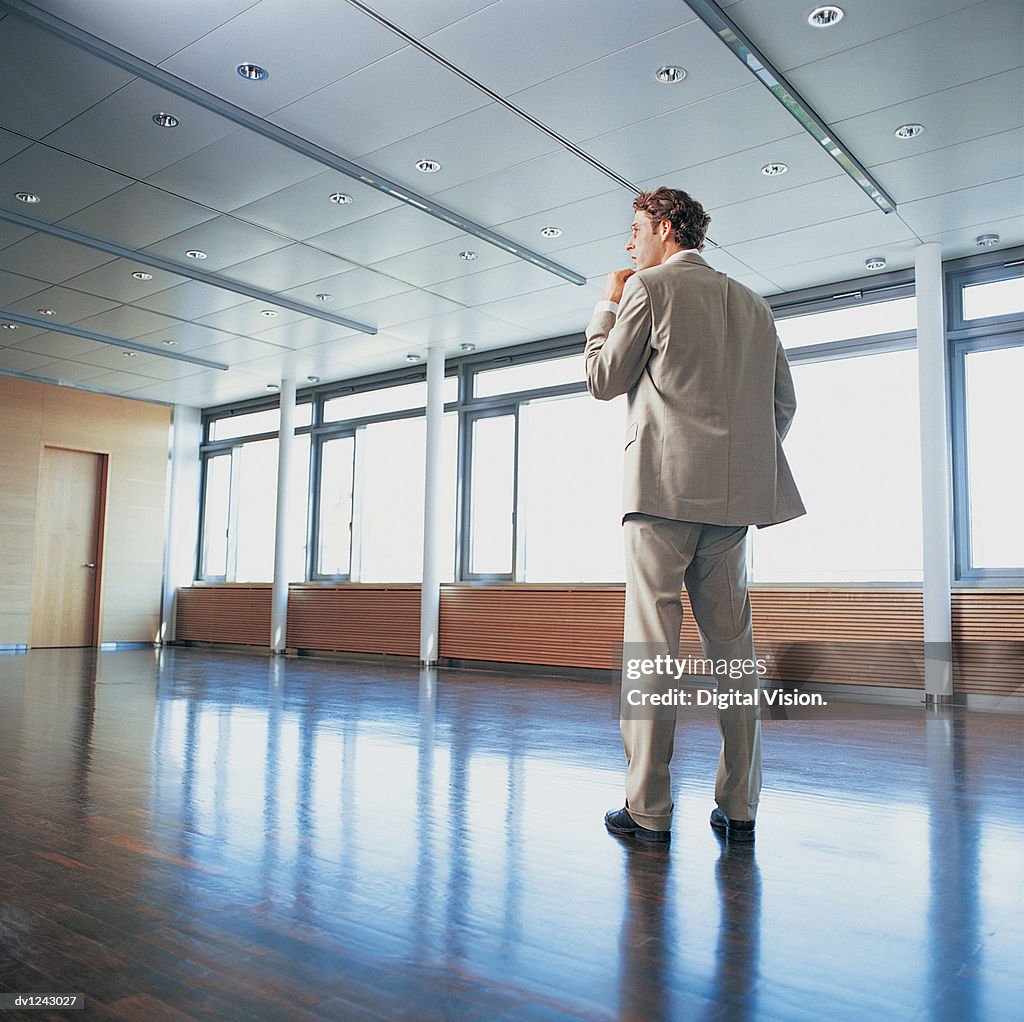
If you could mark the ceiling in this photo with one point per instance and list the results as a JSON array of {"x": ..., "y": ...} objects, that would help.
[{"x": 540, "y": 114}]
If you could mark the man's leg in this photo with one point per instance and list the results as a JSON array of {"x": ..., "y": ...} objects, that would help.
[
  {"x": 658, "y": 551},
  {"x": 716, "y": 582}
]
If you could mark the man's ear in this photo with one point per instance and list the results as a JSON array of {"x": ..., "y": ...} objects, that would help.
[{"x": 666, "y": 230}]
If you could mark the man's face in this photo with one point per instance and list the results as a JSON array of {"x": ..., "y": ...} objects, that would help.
[{"x": 645, "y": 244}]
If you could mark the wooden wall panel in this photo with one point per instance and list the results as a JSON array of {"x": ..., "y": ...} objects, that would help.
[
  {"x": 544, "y": 625},
  {"x": 237, "y": 614},
  {"x": 355, "y": 619},
  {"x": 988, "y": 640},
  {"x": 869, "y": 637},
  {"x": 134, "y": 434}
]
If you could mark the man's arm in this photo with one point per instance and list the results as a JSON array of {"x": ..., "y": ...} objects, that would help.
[
  {"x": 785, "y": 395},
  {"x": 618, "y": 346}
]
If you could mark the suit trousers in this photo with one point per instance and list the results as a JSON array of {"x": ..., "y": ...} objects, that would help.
[{"x": 662, "y": 555}]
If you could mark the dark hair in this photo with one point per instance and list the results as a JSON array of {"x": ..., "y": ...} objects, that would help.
[{"x": 685, "y": 213}]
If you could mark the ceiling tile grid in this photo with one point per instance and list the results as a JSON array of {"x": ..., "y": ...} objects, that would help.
[{"x": 262, "y": 212}]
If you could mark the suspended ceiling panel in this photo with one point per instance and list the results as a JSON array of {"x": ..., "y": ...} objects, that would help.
[{"x": 79, "y": 132}]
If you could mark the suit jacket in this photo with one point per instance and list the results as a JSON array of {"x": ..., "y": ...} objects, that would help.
[{"x": 710, "y": 396}]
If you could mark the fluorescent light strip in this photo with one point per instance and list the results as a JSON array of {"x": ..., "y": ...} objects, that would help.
[
  {"x": 716, "y": 19},
  {"x": 157, "y": 76},
  {"x": 91, "y": 335},
  {"x": 490, "y": 93},
  {"x": 102, "y": 245}
]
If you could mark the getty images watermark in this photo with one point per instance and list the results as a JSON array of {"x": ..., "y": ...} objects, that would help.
[{"x": 656, "y": 684}]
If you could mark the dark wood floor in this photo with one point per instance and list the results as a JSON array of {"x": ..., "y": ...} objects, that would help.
[{"x": 188, "y": 835}]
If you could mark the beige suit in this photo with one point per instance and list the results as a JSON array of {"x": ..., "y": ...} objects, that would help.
[{"x": 710, "y": 398}]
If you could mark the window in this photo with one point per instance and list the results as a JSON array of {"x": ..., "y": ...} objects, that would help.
[
  {"x": 551, "y": 372},
  {"x": 240, "y": 513},
  {"x": 492, "y": 495},
  {"x": 334, "y": 537},
  {"x": 230, "y": 427},
  {"x": 385, "y": 400},
  {"x": 994, "y": 298},
  {"x": 855, "y": 453},
  {"x": 994, "y": 380},
  {"x": 896, "y": 316},
  {"x": 216, "y": 515},
  {"x": 570, "y": 489}
]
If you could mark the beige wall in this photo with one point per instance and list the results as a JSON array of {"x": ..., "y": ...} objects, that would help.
[{"x": 134, "y": 435}]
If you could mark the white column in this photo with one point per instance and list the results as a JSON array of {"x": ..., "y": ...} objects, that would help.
[
  {"x": 936, "y": 473},
  {"x": 182, "y": 521},
  {"x": 430, "y": 593},
  {"x": 279, "y": 598}
]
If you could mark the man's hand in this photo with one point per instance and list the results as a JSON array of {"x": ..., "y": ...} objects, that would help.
[{"x": 614, "y": 284}]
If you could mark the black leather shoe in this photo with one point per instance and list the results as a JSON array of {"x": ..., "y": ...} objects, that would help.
[
  {"x": 621, "y": 824},
  {"x": 735, "y": 830}
]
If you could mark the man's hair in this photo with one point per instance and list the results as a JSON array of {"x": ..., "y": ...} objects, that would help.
[{"x": 685, "y": 213}]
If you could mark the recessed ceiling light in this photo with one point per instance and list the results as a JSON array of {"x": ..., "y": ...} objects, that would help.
[
  {"x": 774, "y": 169},
  {"x": 195, "y": 253},
  {"x": 986, "y": 240},
  {"x": 252, "y": 72},
  {"x": 468, "y": 255},
  {"x": 273, "y": 386},
  {"x": 413, "y": 358},
  {"x": 166, "y": 120},
  {"x": 908, "y": 130},
  {"x": 323, "y": 296},
  {"x": 428, "y": 166},
  {"x": 825, "y": 17},
  {"x": 467, "y": 346},
  {"x": 670, "y": 74},
  {"x": 47, "y": 312},
  {"x": 29, "y": 197},
  {"x": 875, "y": 262},
  {"x": 551, "y": 232},
  {"x": 142, "y": 275},
  {"x": 170, "y": 343},
  {"x": 340, "y": 198},
  {"x": 129, "y": 354},
  {"x": 313, "y": 379},
  {"x": 269, "y": 313}
]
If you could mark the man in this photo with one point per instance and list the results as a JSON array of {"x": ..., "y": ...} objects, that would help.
[{"x": 710, "y": 398}]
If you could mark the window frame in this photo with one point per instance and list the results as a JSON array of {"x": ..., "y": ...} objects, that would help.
[{"x": 965, "y": 337}]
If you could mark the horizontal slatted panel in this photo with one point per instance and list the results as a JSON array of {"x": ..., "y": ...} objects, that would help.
[
  {"x": 841, "y": 636},
  {"x": 988, "y": 636},
  {"x": 562, "y": 627},
  {"x": 355, "y": 619},
  {"x": 231, "y": 614},
  {"x": 863, "y": 637}
]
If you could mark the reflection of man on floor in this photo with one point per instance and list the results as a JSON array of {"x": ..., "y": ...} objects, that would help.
[{"x": 710, "y": 399}]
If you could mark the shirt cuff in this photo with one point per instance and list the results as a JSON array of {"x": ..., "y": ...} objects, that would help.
[{"x": 605, "y": 305}]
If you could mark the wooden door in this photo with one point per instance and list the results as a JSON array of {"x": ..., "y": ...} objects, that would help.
[{"x": 65, "y": 593}]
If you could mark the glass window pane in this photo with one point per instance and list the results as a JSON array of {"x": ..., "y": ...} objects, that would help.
[
  {"x": 251, "y": 423},
  {"x": 857, "y": 464},
  {"x": 844, "y": 324},
  {"x": 215, "y": 516},
  {"x": 551, "y": 372},
  {"x": 386, "y": 399},
  {"x": 996, "y": 298},
  {"x": 995, "y": 438},
  {"x": 570, "y": 489},
  {"x": 334, "y": 556},
  {"x": 257, "y": 510},
  {"x": 390, "y": 490},
  {"x": 491, "y": 495}
]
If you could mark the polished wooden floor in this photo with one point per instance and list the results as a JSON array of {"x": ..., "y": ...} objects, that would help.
[{"x": 195, "y": 835}]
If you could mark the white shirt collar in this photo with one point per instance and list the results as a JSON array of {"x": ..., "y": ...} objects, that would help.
[{"x": 677, "y": 256}]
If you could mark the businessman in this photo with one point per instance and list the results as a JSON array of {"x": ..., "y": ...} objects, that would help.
[{"x": 710, "y": 398}]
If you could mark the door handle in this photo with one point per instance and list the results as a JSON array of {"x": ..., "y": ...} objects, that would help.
[{"x": 88, "y": 565}]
